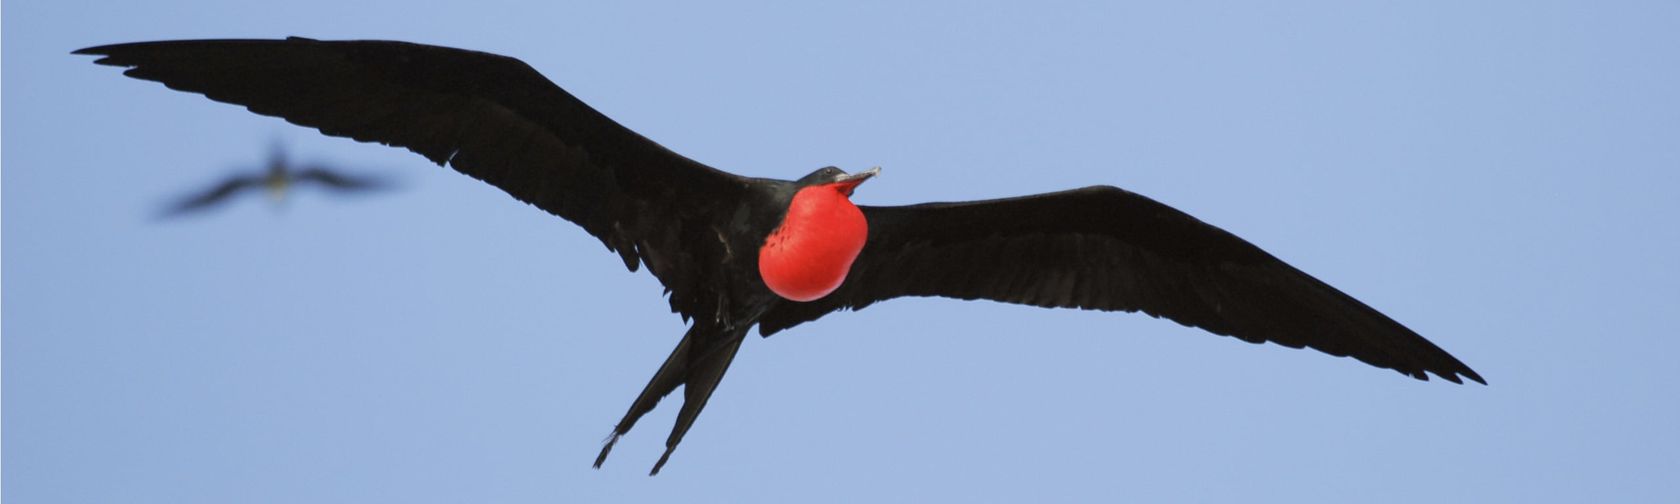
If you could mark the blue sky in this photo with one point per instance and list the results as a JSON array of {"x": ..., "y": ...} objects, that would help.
[{"x": 1499, "y": 176}]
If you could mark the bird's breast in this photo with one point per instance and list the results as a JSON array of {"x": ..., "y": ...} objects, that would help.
[{"x": 809, "y": 254}]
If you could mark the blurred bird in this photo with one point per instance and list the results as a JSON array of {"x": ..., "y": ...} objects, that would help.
[{"x": 278, "y": 179}]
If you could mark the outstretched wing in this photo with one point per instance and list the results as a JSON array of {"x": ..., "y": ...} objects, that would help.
[
  {"x": 1105, "y": 248},
  {"x": 211, "y": 197},
  {"x": 340, "y": 181},
  {"x": 491, "y": 117}
]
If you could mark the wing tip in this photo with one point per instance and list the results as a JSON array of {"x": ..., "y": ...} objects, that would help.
[
  {"x": 1454, "y": 369},
  {"x": 1455, "y": 375},
  {"x": 1468, "y": 373},
  {"x": 108, "y": 50}
]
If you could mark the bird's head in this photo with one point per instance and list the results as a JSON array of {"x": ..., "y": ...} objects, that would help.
[
  {"x": 837, "y": 179},
  {"x": 809, "y": 253}
]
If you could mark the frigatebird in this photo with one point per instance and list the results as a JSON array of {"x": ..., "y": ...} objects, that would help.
[
  {"x": 277, "y": 178},
  {"x": 734, "y": 252}
]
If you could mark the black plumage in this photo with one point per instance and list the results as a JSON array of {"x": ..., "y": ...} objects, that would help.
[{"x": 699, "y": 229}]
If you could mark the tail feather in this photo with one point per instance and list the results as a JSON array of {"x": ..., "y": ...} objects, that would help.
[
  {"x": 706, "y": 371},
  {"x": 698, "y": 364}
]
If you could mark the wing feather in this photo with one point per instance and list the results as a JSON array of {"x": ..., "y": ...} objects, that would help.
[
  {"x": 491, "y": 117},
  {"x": 211, "y": 197},
  {"x": 1105, "y": 248}
]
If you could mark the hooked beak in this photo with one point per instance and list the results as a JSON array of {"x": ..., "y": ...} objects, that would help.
[{"x": 848, "y": 182}]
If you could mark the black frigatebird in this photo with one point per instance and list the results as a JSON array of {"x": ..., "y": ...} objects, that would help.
[
  {"x": 278, "y": 178},
  {"x": 734, "y": 252}
]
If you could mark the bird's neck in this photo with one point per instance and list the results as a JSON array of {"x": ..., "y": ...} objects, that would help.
[{"x": 809, "y": 254}]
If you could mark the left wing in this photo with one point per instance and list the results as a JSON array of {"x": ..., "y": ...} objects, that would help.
[
  {"x": 488, "y": 116},
  {"x": 1105, "y": 248},
  {"x": 211, "y": 197}
]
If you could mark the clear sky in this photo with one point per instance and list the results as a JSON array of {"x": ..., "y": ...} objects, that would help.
[{"x": 1499, "y": 176}]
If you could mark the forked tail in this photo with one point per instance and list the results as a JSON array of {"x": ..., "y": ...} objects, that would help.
[{"x": 698, "y": 364}]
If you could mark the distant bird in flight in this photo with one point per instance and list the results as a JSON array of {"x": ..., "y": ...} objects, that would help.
[
  {"x": 278, "y": 179},
  {"x": 734, "y": 252}
]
